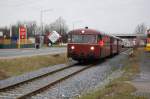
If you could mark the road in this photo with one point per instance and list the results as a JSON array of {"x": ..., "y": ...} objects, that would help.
[{"x": 10, "y": 53}]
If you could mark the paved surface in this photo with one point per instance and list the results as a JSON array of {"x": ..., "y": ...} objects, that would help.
[
  {"x": 9, "y": 53},
  {"x": 142, "y": 81}
]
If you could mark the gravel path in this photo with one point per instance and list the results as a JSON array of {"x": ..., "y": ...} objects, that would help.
[
  {"x": 142, "y": 81},
  {"x": 83, "y": 81}
]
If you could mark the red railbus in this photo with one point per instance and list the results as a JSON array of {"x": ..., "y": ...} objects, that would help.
[{"x": 90, "y": 44}]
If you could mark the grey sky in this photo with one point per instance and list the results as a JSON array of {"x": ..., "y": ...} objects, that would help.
[{"x": 116, "y": 16}]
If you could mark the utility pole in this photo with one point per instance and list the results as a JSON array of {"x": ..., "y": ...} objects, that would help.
[
  {"x": 61, "y": 41},
  {"x": 75, "y": 22},
  {"x": 10, "y": 31},
  {"x": 60, "y": 25},
  {"x": 41, "y": 18},
  {"x": 41, "y": 21},
  {"x": 42, "y": 26}
]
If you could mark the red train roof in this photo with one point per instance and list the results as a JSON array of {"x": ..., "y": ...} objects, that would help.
[
  {"x": 90, "y": 31},
  {"x": 85, "y": 31}
]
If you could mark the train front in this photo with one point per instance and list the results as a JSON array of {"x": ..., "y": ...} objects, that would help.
[{"x": 82, "y": 45}]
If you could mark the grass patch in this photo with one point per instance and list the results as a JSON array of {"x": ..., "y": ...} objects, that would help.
[
  {"x": 17, "y": 66},
  {"x": 120, "y": 88}
]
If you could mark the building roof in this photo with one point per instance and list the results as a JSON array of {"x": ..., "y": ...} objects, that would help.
[{"x": 130, "y": 35}]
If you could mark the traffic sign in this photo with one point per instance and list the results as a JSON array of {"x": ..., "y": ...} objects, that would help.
[{"x": 54, "y": 36}]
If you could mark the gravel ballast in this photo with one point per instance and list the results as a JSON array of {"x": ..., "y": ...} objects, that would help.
[
  {"x": 84, "y": 81},
  {"x": 39, "y": 83}
]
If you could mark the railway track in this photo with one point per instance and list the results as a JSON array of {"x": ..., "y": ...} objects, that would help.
[
  {"x": 37, "y": 84},
  {"x": 21, "y": 81},
  {"x": 33, "y": 86}
]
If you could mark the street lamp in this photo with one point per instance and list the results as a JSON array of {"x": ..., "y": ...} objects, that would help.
[{"x": 42, "y": 12}]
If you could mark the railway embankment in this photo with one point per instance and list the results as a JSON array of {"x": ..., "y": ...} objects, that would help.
[
  {"x": 130, "y": 85},
  {"x": 142, "y": 80},
  {"x": 86, "y": 80},
  {"x": 108, "y": 79}
]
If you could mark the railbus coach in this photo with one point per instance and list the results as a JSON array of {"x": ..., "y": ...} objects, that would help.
[{"x": 90, "y": 44}]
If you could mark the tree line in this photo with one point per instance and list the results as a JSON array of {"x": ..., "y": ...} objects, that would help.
[{"x": 59, "y": 25}]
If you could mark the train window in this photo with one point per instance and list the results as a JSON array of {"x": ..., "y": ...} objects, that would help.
[
  {"x": 115, "y": 42},
  {"x": 99, "y": 37},
  {"x": 148, "y": 35},
  {"x": 76, "y": 38},
  {"x": 84, "y": 38}
]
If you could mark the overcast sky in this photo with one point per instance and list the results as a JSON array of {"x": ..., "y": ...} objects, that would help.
[{"x": 115, "y": 16}]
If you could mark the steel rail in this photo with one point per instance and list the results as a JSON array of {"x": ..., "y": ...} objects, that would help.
[
  {"x": 31, "y": 79},
  {"x": 57, "y": 81},
  {"x": 53, "y": 83}
]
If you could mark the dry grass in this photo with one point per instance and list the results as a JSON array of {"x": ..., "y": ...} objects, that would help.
[
  {"x": 117, "y": 90},
  {"x": 17, "y": 66},
  {"x": 120, "y": 88},
  {"x": 3, "y": 74}
]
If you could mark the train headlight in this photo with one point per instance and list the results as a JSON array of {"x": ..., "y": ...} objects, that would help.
[
  {"x": 92, "y": 48},
  {"x": 82, "y": 31},
  {"x": 72, "y": 47}
]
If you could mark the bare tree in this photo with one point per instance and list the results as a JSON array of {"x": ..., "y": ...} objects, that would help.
[
  {"x": 15, "y": 30},
  {"x": 60, "y": 26},
  {"x": 31, "y": 27},
  {"x": 5, "y": 31},
  {"x": 140, "y": 29}
]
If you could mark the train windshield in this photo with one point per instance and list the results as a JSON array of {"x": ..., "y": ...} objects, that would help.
[{"x": 83, "y": 38}]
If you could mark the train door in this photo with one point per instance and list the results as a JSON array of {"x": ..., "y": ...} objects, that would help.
[
  {"x": 100, "y": 44},
  {"x": 114, "y": 46},
  {"x": 120, "y": 45},
  {"x": 117, "y": 46},
  {"x": 111, "y": 46},
  {"x": 107, "y": 45}
]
